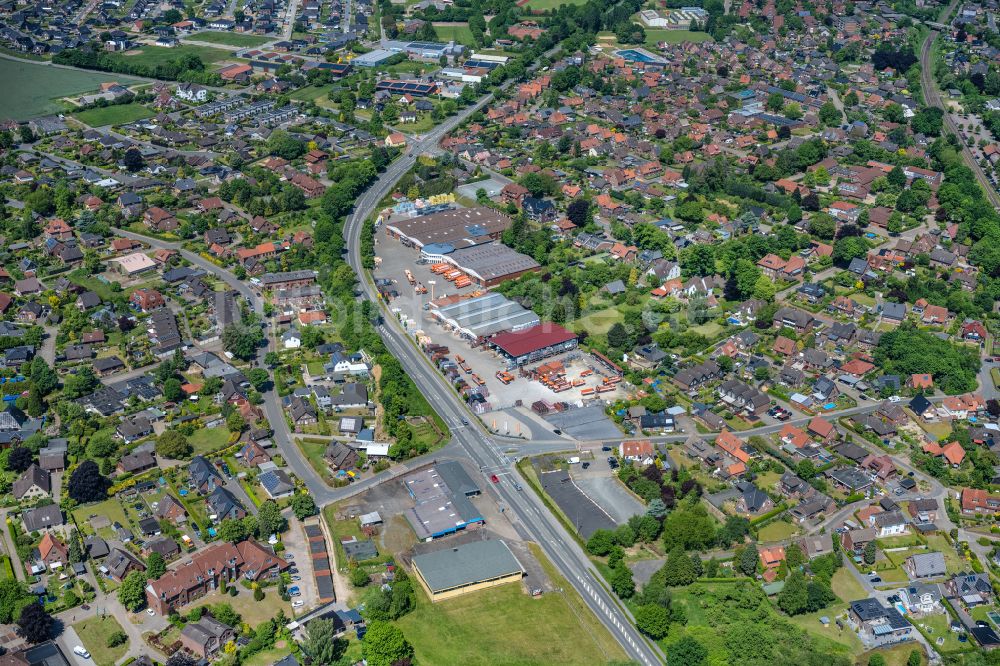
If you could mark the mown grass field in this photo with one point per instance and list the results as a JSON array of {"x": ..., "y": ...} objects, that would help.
[
  {"x": 777, "y": 531},
  {"x": 155, "y": 55},
  {"x": 552, "y": 4},
  {"x": 113, "y": 115},
  {"x": 231, "y": 38},
  {"x": 34, "y": 90},
  {"x": 504, "y": 625},
  {"x": 94, "y": 632},
  {"x": 653, "y": 36},
  {"x": 452, "y": 32},
  {"x": 206, "y": 440}
]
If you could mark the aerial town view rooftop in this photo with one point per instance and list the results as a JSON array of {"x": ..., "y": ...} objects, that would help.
[{"x": 496, "y": 332}]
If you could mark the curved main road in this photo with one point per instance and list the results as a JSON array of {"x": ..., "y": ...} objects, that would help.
[
  {"x": 529, "y": 515},
  {"x": 933, "y": 98}
]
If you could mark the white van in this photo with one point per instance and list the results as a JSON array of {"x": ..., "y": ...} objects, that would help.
[{"x": 81, "y": 652}]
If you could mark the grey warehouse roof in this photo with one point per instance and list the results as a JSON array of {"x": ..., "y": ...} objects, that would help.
[
  {"x": 464, "y": 565},
  {"x": 483, "y": 316}
]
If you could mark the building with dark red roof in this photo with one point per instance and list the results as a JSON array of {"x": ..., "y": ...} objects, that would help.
[{"x": 534, "y": 344}]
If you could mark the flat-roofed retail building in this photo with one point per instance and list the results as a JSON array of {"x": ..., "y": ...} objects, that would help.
[
  {"x": 490, "y": 264},
  {"x": 442, "y": 506},
  {"x": 455, "y": 227},
  {"x": 474, "y": 566}
]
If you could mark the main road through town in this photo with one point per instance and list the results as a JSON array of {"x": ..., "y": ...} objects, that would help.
[{"x": 525, "y": 509}]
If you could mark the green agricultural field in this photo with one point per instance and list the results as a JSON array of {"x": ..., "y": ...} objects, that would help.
[
  {"x": 34, "y": 90},
  {"x": 94, "y": 632},
  {"x": 504, "y": 625},
  {"x": 118, "y": 114},
  {"x": 454, "y": 32},
  {"x": 230, "y": 39},
  {"x": 155, "y": 55}
]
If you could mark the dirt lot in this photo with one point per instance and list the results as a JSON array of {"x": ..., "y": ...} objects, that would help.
[{"x": 396, "y": 259}]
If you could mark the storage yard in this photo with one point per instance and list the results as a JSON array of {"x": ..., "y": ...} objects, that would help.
[{"x": 494, "y": 350}]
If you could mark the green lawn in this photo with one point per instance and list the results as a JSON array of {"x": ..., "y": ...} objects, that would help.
[
  {"x": 653, "y": 37},
  {"x": 895, "y": 656},
  {"x": 936, "y": 626},
  {"x": 267, "y": 657},
  {"x": 230, "y": 38},
  {"x": 252, "y": 612},
  {"x": 846, "y": 586},
  {"x": 601, "y": 321},
  {"x": 777, "y": 531},
  {"x": 154, "y": 55},
  {"x": 424, "y": 123},
  {"x": 339, "y": 529},
  {"x": 111, "y": 508},
  {"x": 6, "y": 568},
  {"x": 313, "y": 451},
  {"x": 953, "y": 561},
  {"x": 503, "y": 625},
  {"x": 94, "y": 633},
  {"x": 449, "y": 32},
  {"x": 206, "y": 440},
  {"x": 424, "y": 432},
  {"x": 310, "y": 93},
  {"x": 118, "y": 114},
  {"x": 901, "y": 541},
  {"x": 551, "y": 4}
]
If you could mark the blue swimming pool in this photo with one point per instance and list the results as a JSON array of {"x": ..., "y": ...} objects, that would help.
[
  {"x": 830, "y": 405},
  {"x": 632, "y": 55}
]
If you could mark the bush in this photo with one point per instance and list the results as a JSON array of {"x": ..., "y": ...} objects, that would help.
[
  {"x": 117, "y": 638},
  {"x": 359, "y": 577}
]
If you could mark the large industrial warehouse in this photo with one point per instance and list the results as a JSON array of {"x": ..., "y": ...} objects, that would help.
[
  {"x": 474, "y": 566},
  {"x": 483, "y": 316},
  {"x": 533, "y": 344},
  {"x": 457, "y": 228},
  {"x": 441, "y": 494},
  {"x": 491, "y": 264}
]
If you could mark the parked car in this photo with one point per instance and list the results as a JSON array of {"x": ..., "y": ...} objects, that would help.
[
  {"x": 81, "y": 652},
  {"x": 298, "y": 603}
]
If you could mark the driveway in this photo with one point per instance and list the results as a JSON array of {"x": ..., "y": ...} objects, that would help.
[{"x": 297, "y": 545}]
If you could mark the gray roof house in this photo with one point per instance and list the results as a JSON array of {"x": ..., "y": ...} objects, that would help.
[{"x": 925, "y": 565}]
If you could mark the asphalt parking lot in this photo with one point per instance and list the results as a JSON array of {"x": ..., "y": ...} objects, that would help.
[
  {"x": 396, "y": 259},
  {"x": 581, "y": 511},
  {"x": 586, "y": 423},
  {"x": 297, "y": 545},
  {"x": 606, "y": 491}
]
